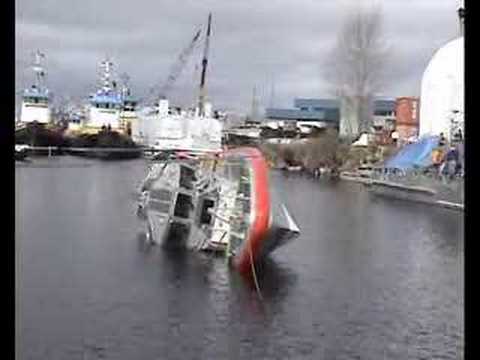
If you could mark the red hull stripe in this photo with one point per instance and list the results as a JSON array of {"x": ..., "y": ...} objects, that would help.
[{"x": 260, "y": 190}]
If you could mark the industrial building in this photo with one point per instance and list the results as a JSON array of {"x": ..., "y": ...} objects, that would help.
[
  {"x": 326, "y": 113},
  {"x": 407, "y": 118},
  {"x": 319, "y": 113}
]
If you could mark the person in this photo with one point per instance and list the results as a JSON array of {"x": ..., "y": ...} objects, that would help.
[
  {"x": 437, "y": 159},
  {"x": 451, "y": 161},
  {"x": 461, "y": 158}
]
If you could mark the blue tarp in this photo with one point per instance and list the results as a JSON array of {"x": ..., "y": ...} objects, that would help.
[{"x": 418, "y": 154}]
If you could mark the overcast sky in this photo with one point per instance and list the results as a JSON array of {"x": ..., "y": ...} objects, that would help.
[{"x": 252, "y": 43}]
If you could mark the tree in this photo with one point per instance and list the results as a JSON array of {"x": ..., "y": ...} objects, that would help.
[{"x": 355, "y": 67}]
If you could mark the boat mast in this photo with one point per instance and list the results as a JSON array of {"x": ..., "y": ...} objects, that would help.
[
  {"x": 38, "y": 69},
  {"x": 125, "y": 84},
  {"x": 105, "y": 76},
  {"x": 202, "y": 96}
]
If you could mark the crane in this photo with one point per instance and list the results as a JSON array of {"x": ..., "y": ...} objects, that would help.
[
  {"x": 178, "y": 66},
  {"x": 201, "y": 100}
]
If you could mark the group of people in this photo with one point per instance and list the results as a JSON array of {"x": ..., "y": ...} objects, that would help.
[{"x": 448, "y": 159}]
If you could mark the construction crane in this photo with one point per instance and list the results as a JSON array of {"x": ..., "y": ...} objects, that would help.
[
  {"x": 202, "y": 97},
  {"x": 178, "y": 66}
]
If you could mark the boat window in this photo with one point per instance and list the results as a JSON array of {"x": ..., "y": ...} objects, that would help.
[
  {"x": 205, "y": 217},
  {"x": 187, "y": 177},
  {"x": 162, "y": 207},
  {"x": 183, "y": 206},
  {"x": 160, "y": 194}
]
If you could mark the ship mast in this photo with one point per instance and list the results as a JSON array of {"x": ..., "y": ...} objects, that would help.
[
  {"x": 125, "y": 84},
  {"x": 38, "y": 69},
  {"x": 105, "y": 76},
  {"x": 201, "y": 102}
]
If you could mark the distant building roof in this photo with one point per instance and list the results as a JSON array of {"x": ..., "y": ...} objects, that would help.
[
  {"x": 322, "y": 103},
  {"x": 329, "y": 115},
  {"x": 380, "y": 104},
  {"x": 294, "y": 114},
  {"x": 320, "y": 110},
  {"x": 384, "y": 105}
]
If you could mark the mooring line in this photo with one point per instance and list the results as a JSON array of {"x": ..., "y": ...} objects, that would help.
[{"x": 255, "y": 280}]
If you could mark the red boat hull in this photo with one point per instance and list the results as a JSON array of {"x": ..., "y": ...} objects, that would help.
[{"x": 259, "y": 229}]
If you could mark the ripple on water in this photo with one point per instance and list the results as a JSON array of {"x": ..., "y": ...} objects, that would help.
[{"x": 365, "y": 280}]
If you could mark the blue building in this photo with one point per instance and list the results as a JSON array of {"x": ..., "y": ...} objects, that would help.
[{"x": 324, "y": 112}]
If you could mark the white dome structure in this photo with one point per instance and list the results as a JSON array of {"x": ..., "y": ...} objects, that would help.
[{"x": 442, "y": 93}]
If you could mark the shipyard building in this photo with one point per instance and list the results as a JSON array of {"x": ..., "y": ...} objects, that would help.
[{"x": 325, "y": 113}]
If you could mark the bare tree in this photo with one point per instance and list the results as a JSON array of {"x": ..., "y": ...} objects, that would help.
[{"x": 355, "y": 67}]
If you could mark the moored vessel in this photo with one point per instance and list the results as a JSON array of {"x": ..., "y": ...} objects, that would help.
[{"x": 36, "y": 99}]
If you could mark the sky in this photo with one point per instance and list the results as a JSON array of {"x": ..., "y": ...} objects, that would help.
[{"x": 279, "y": 46}]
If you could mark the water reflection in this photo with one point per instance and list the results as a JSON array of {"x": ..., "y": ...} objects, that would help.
[{"x": 274, "y": 279}]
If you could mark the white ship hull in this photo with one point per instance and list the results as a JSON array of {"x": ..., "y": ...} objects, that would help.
[
  {"x": 104, "y": 117},
  {"x": 35, "y": 112}
]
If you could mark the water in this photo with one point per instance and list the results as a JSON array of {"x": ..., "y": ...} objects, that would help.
[{"x": 369, "y": 278}]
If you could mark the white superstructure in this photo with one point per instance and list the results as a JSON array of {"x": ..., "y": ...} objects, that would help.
[{"x": 169, "y": 129}]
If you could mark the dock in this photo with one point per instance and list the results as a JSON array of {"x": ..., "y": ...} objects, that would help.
[
  {"x": 101, "y": 152},
  {"x": 411, "y": 193}
]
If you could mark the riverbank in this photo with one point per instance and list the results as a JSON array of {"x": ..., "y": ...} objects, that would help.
[
  {"x": 38, "y": 139},
  {"x": 326, "y": 151}
]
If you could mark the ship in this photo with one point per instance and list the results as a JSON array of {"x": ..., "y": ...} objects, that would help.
[
  {"x": 219, "y": 202},
  {"x": 104, "y": 129},
  {"x": 36, "y": 99},
  {"x": 200, "y": 195},
  {"x": 35, "y": 132}
]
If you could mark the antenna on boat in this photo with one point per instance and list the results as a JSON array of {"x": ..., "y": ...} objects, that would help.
[
  {"x": 105, "y": 76},
  {"x": 125, "y": 84},
  {"x": 38, "y": 68},
  {"x": 201, "y": 102}
]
